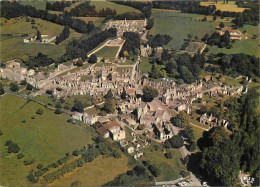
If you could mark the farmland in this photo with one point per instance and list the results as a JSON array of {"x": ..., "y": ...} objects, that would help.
[
  {"x": 96, "y": 173},
  {"x": 120, "y": 9},
  {"x": 179, "y": 25},
  {"x": 45, "y": 139},
  {"x": 107, "y": 52},
  {"x": 12, "y": 43},
  {"x": 231, "y": 6}
]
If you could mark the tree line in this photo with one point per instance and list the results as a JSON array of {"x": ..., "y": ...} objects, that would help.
[
  {"x": 63, "y": 35},
  {"x": 80, "y": 48},
  {"x": 59, "y": 5},
  {"x": 86, "y": 10},
  {"x": 15, "y": 9}
]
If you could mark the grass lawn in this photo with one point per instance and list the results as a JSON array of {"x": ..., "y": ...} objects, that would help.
[
  {"x": 179, "y": 25},
  {"x": 170, "y": 168},
  {"x": 46, "y": 138},
  {"x": 96, "y": 20},
  {"x": 12, "y": 46},
  {"x": 231, "y": 6},
  {"x": 232, "y": 81},
  {"x": 95, "y": 173},
  {"x": 107, "y": 52},
  {"x": 120, "y": 9},
  {"x": 145, "y": 66},
  {"x": 86, "y": 77}
]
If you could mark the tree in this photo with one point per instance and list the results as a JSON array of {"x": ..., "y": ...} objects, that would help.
[
  {"x": 214, "y": 17},
  {"x": 20, "y": 155},
  {"x": 39, "y": 35},
  {"x": 109, "y": 106},
  {"x": 180, "y": 120},
  {"x": 13, "y": 87},
  {"x": 58, "y": 111},
  {"x": 39, "y": 166},
  {"x": 29, "y": 87},
  {"x": 123, "y": 94},
  {"x": 92, "y": 59},
  {"x": 176, "y": 141},
  {"x": 109, "y": 95},
  {"x": 149, "y": 93},
  {"x": 168, "y": 155},
  {"x": 188, "y": 133},
  {"x": 2, "y": 91},
  {"x": 78, "y": 106},
  {"x": 154, "y": 170},
  {"x": 39, "y": 111},
  {"x": 221, "y": 25},
  {"x": 13, "y": 148}
]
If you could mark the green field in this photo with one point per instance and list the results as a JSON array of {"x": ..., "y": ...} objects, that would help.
[
  {"x": 96, "y": 173},
  {"x": 145, "y": 66},
  {"x": 250, "y": 47},
  {"x": 46, "y": 138},
  {"x": 107, "y": 52},
  {"x": 120, "y": 9},
  {"x": 170, "y": 168},
  {"x": 37, "y": 4},
  {"x": 12, "y": 45},
  {"x": 179, "y": 25}
]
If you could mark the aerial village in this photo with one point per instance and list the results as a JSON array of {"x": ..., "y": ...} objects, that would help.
[{"x": 135, "y": 98}]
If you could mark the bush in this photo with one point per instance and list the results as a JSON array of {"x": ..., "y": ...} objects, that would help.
[
  {"x": 20, "y": 155},
  {"x": 39, "y": 111},
  {"x": 154, "y": 170},
  {"x": 168, "y": 155},
  {"x": 39, "y": 166},
  {"x": 176, "y": 141},
  {"x": 8, "y": 142},
  {"x": 75, "y": 153},
  {"x": 58, "y": 111},
  {"x": 23, "y": 121},
  {"x": 23, "y": 82},
  {"x": 1, "y": 133},
  {"x": 29, "y": 162},
  {"x": 29, "y": 87},
  {"x": 13, "y": 148},
  {"x": 14, "y": 87},
  {"x": 32, "y": 117}
]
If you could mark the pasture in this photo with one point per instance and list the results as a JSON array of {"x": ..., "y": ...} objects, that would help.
[
  {"x": 95, "y": 173},
  {"x": 12, "y": 45},
  {"x": 107, "y": 52},
  {"x": 45, "y": 139},
  {"x": 179, "y": 25},
  {"x": 120, "y": 9},
  {"x": 231, "y": 6}
]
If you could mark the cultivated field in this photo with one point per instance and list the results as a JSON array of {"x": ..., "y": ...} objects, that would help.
[
  {"x": 179, "y": 25},
  {"x": 95, "y": 173},
  {"x": 231, "y": 6},
  {"x": 45, "y": 139},
  {"x": 107, "y": 52}
]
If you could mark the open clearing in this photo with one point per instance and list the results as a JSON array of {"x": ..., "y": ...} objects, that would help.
[
  {"x": 45, "y": 139},
  {"x": 170, "y": 168},
  {"x": 107, "y": 52},
  {"x": 120, "y": 9},
  {"x": 12, "y": 45},
  {"x": 179, "y": 25},
  {"x": 95, "y": 173},
  {"x": 231, "y": 6}
]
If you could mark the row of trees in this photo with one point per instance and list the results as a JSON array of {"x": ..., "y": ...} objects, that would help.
[
  {"x": 80, "y": 48},
  {"x": 59, "y": 5},
  {"x": 63, "y": 35},
  {"x": 86, "y": 10},
  {"x": 15, "y": 9}
]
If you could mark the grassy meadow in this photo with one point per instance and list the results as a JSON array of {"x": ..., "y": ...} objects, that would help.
[
  {"x": 120, "y": 9},
  {"x": 107, "y": 52},
  {"x": 179, "y": 25},
  {"x": 231, "y": 6},
  {"x": 12, "y": 45},
  {"x": 45, "y": 139},
  {"x": 170, "y": 168},
  {"x": 96, "y": 173}
]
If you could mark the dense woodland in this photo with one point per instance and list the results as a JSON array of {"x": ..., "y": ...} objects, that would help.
[
  {"x": 223, "y": 155},
  {"x": 59, "y": 5},
  {"x": 63, "y": 35},
  {"x": 86, "y": 10},
  {"x": 132, "y": 44}
]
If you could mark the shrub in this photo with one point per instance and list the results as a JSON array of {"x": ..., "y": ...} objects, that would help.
[
  {"x": 8, "y": 142},
  {"x": 1, "y": 133},
  {"x": 29, "y": 162},
  {"x": 20, "y": 155},
  {"x": 168, "y": 155},
  {"x": 39, "y": 166},
  {"x": 13, "y": 148},
  {"x": 39, "y": 111},
  {"x": 176, "y": 141},
  {"x": 154, "y": 170},
  {"x": 23, "y": 121},
  {"x": 58, "y": 111},
  {"x": 33, "y": 117}
]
